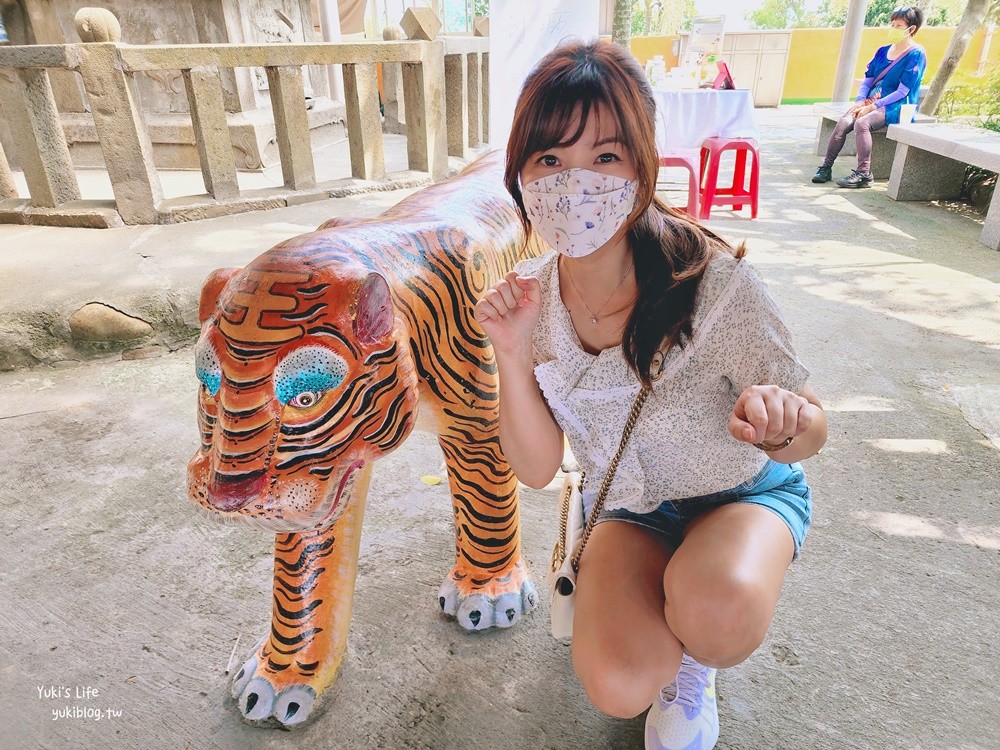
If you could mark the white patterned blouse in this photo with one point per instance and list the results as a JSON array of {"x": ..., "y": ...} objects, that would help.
[{"x": 681, "y": 446}]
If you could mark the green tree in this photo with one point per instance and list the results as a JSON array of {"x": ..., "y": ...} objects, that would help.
[
  {"x": 662, "y": 17},
  {"x": 641, "y": 17},
  {"x": 975, "y": 15},
  {"x": 677, "y": 15},
  {"x": 782, "y": 14},
  {"x": 879, "y": 12},
  {"x": 833, "y": 13}
]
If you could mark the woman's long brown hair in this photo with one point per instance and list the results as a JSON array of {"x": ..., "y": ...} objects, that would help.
[{"x": 670, "y": 250}]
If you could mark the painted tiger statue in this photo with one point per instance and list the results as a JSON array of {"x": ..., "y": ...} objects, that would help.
[{"x": 314, "y": 361}]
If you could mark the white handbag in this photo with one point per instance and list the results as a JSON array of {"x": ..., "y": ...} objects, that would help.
[
  {"x": 562, "y": 575},
  {"x": 574, "y": 533}
]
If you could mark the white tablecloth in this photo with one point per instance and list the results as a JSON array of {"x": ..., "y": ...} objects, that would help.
[{"x": 687, "y": 117}]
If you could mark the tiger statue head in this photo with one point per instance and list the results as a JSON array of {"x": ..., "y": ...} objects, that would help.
[{"x": 303, "y": 382}]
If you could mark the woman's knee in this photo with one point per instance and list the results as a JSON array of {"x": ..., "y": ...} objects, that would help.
[
  {"x": 619, "y": 686},
  {"x": 867, "y": 124},
  {"x": 844, "y": 126},
  {"x": 720, "y": 621}
]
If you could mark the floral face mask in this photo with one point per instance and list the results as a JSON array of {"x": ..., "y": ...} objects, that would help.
[{"x": 578, "y": 210}]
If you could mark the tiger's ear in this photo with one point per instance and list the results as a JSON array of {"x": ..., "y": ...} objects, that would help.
[
  {"x": 211, "y": 290},
  {"x": 373, "y": 313},
  {"x": 338, "y": 221}
]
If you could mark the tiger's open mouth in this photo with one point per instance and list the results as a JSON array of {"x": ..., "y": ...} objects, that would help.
[
  {"x": 230, "y": 493},
  {"x": 345, "y": 487}
]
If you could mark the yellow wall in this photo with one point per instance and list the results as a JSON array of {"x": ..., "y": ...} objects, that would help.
[
  {"x": 646, "y": 47},
  {"x": 812, "y": 60}
]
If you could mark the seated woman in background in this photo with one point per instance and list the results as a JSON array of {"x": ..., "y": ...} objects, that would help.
[{"x": 892, "y": 79}]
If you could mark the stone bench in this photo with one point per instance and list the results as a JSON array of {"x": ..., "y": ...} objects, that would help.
[
  {"x": 930, "y": 164},
  {"x": 882, "y": 149}
]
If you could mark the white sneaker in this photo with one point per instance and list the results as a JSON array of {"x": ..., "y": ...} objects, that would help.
[{"x": 685, "y": 716}]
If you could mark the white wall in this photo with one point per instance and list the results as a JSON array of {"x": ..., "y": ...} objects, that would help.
[{"x": 521, "y": 33}]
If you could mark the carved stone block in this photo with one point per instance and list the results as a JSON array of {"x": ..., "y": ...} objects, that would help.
[{"x": 421, "y": 23}]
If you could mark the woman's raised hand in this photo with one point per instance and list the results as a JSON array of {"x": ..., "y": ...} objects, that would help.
[
  {"x": 508, "y": 311},
  {"x": 769, "y": 414}
]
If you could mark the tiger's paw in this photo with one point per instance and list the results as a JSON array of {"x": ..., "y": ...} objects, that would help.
[
  {"x": 499, "y": 602},
  {"x": 284, "y": 698}
]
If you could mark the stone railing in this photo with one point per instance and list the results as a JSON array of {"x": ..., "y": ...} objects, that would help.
[{"x": 442, "y": 84}]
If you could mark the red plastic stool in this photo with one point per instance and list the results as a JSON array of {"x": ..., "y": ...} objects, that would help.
[
  {"x": 691, "y": 159},
  {"x": 738, "y": 194}
]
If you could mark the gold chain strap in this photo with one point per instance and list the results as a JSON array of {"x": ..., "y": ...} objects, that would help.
[
  {"x": 559, "y": 552},
  {"x": 633, "y": 417}
]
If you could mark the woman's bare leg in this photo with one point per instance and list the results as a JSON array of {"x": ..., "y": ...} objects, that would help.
[
  {"x": 723, "y": 582},
  {"x": 623, "y": 651}
]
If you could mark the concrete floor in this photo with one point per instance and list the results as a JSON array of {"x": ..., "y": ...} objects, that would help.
[{"x": 885, "y": 636}]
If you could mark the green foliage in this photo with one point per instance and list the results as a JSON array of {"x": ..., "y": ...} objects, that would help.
[
  {"x": 688, "y": 22},
  {"x": 639, "y": 19},
  {"x": 973, "y": 96},
  {"x": 879, "y": 12},
  {"x": 783, "y": 14},
  {"x": 665, "y": 16},
  {"x": 832, "y": 13}
]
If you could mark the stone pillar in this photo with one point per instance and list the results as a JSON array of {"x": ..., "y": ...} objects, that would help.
[
  {"x": 208, "y": 117},
  {"x": 121, "y": 129},
  {"x": 849, "y": 47},
  {"x": 424, "y": 92},
  {"x": 426, "y": 130},
  {"x": 7, "y": 187},
  {"x": 475, "y": 89},
  {"x": 38, "y": 136},
  {"x": 457, "y": 104},
  {"x": 292, "y": 125},
  {"x": 485, "y": 87},
  {"x": 364, "y": 129}
]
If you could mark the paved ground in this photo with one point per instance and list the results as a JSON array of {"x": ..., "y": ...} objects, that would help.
[{"x": 885, "y": 636}]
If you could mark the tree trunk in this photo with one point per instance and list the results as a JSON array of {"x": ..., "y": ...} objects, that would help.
[
  {"x": 648, "y": 20},
  {"x": 622, "y": 29},
  {"x": 972, "y": 19}
]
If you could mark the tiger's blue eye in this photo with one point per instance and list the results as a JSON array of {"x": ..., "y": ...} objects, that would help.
[
  {"x": 207, "y": 367},
  {"x": 301, "y": 378}
]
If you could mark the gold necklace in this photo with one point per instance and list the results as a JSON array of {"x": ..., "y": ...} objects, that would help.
[{"x": 594, "y": 316}]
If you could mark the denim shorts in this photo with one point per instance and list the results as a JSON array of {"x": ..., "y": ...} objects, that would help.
[{"x": 781, "y": 488}]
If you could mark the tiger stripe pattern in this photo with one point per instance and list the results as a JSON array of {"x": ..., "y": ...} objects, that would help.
[{"x": 316, "y": 360}]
